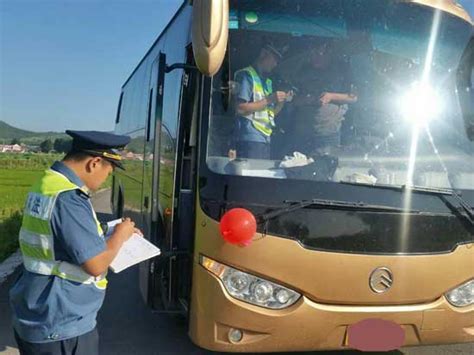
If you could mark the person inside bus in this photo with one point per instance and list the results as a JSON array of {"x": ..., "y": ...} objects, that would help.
[
  {"x": 257, "y": 105},
  {"x": 322, "y": 101}
]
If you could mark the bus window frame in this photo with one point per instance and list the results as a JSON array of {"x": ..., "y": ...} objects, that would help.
[
  {"x": 119, "y": 108},
  {"x": 465, "y": 86}
]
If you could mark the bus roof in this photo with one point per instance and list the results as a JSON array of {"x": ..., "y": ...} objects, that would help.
[{"x": 450, "y": 6}]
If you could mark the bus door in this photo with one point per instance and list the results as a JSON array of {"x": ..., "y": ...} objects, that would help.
[
  {"x": 185, "y": 182},
  {"x": 151, "y": 149},
  {"x": 165, "y": 280}
]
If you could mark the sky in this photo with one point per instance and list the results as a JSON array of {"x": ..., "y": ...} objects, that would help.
[
  {"x": 63, "y": 62},
  {"x": 468, "y": 5}
]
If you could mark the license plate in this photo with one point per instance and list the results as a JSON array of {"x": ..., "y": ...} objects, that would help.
[{"x": 375, "y": 335}]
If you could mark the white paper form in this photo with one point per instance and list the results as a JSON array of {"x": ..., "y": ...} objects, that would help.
[{"x": 133, "y": 251}]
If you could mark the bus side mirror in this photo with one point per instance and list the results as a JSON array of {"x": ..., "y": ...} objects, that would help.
[{"x": 210, "y": 32}]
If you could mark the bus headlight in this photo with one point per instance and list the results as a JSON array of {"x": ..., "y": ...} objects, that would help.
[
  {"x": 250, "y": 288},
  {"x": 463, "y": 295}
]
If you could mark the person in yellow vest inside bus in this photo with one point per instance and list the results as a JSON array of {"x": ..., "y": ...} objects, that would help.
[
  {"x": 65, "y": 253},
  {"x": 257, "y": 106}
]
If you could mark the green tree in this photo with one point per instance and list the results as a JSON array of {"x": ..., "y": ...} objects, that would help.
[
  {"x": 62, "y": 145},
  {"x": 15, "y": 141},
  {"x": 46, "y": 146}
]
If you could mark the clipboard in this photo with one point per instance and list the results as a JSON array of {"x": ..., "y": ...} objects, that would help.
[{"x": 135, "y": 250}]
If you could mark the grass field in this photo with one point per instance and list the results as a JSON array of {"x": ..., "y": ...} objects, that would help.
[
  {"x": 27, "y": 161},
  {"x": 17, "y": 174},
  {"x": 14, "y": 186}
]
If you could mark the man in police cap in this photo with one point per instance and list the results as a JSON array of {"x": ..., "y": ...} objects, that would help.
[
  {"x": 257, "y": 105},
  {"x": 65, "y": 254}
]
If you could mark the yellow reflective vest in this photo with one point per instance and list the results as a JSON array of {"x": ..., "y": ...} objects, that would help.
[
  {"x": 36, "y": 237},
  {"x": 263, "y": 120}
]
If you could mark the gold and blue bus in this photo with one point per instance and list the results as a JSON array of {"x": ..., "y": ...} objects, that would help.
[{"x": 367, "y": 244}]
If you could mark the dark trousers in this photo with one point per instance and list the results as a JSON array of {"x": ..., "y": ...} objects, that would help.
[
  {"x": 253, "y": 150},
  {"x": 86, "y": 344}
]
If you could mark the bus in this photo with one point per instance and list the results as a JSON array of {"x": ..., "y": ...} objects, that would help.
[{"x": 366, "y": 243}]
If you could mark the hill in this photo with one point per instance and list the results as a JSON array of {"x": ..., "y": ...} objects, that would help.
[{"x": 7, "y": 133}]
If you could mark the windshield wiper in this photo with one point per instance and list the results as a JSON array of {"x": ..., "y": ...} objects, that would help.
[
  {"x": 328, "y": 204},
  {"x": 462, "y": 210}
]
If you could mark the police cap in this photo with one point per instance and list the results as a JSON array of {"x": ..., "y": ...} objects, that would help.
[
  {"x": 100, "y": 144},
  {"x": 277, "y": 51}
]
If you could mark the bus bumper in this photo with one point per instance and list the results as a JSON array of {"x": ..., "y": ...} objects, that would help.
[{"x": 307, "y": 325}]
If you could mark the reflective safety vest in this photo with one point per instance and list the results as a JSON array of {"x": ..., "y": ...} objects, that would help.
[
  {"x": 263, "y": 120},
  {"x": 36, "y": 236}
]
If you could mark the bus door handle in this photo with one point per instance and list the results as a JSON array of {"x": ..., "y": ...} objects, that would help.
[{"x": 173, "y": 254}]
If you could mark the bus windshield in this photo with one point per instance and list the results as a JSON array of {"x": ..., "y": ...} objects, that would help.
[{"x": 357, "y": 91}]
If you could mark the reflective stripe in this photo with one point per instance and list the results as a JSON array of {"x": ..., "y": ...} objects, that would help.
[
  {"x": 38, "y": 266},
  {"x": 76, "y": 273},
  {"x": 36, "y": 225},
  {"x": 262, "y": 127},
  {"x": 43, "y": 240},
  {"x": 35, "y": 251},
  {"x": 35, "y": 245},
  {"x": 73, "y": 272},
  {"x": 61, "y": 269},
  {"x": 263, "y": 120},
  {"x": 101, "y": 284}
]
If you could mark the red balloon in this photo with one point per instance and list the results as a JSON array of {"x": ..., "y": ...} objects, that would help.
[{"x": 238, "y": 226}]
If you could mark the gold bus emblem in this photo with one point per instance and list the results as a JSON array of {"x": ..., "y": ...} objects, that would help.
[{"x": 381, "y": 279}]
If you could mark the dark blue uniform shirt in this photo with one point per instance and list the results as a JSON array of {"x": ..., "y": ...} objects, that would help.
[{"x": 49, "y": 308}]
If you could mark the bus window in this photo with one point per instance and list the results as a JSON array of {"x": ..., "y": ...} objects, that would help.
[
  {"x": 469, "y": 97},
  {"x": 363, "y": 78}
]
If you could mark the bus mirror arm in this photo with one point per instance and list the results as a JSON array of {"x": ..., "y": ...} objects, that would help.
[{"x": 170, "y": 68}]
